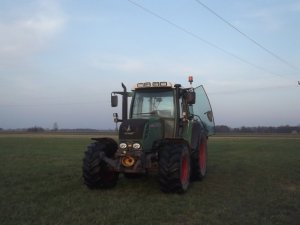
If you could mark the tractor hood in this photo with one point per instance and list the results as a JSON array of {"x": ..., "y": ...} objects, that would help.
[
  {"x": 132, "y": 129},
  {"x": 145, "y": 131}
]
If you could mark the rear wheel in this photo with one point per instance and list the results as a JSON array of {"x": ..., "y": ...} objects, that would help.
[
  {"x": 199, "y": 160},
  {"x": 174, "y": 167},
  {"x": 96, "y": 172}
]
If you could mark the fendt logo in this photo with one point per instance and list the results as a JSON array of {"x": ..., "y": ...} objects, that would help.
[{"x": 128, "y": 130}]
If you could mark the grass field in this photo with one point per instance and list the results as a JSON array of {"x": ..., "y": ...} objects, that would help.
[{"x": 251, "y": 180}]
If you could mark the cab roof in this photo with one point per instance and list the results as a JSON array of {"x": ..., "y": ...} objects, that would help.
[{"x": 156, "y": 84}]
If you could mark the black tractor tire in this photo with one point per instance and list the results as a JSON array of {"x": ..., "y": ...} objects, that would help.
[
  {"x": 199, "y": 160},
  {"x": 174, "y": 167},
  {"x": 96, "y": 172}
]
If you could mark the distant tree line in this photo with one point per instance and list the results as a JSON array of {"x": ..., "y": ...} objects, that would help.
[
  {"x": 219, "y": 129},
  {"x": 260, "y": 129},
  {"x": 35, "y": 129},
  {"x": 38, "y": 129},
  {"x": 77, "y": 130}
]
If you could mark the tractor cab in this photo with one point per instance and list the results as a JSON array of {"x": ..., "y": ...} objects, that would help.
[
  {"x": 149, "y": 102},
  {"x": 168, "y": 104},
  {"x": 155, "y": 102}
]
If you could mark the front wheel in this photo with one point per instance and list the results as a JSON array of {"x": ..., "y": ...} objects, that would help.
[
  {"x": 96, "y": 172},
  {"x": 174, "y": 167}
]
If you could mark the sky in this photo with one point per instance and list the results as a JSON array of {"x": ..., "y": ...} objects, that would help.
[{"x": 61, "y": 59}]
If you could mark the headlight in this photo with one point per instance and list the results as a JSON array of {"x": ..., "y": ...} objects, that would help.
[
  {"x": 123, "y": 145},
  {"x": 136, "y": 146}
]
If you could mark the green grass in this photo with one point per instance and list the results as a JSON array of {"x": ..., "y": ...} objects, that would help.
[{"x": 251, "y": 180}]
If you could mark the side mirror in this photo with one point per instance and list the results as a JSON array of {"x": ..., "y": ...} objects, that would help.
[
  {"x": 114, "y": 101},
  {"x": 190, "y": 98}
]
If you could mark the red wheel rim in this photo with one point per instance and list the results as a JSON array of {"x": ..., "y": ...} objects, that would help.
[
  {"x": 184, "y": 176},
  {"x": 202, "y": 157}
]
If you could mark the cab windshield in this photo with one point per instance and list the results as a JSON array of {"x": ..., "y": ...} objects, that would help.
[{"x": 149, "y": 103}]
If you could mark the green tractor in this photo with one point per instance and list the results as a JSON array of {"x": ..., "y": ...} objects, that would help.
[{"x": 166, "y": 131}]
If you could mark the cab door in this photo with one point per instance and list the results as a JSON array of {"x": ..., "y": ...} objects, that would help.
[{"x": 203, "y": 111}]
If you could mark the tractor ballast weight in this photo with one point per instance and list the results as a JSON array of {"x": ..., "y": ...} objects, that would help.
[{"x": 166, "y": 131}]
